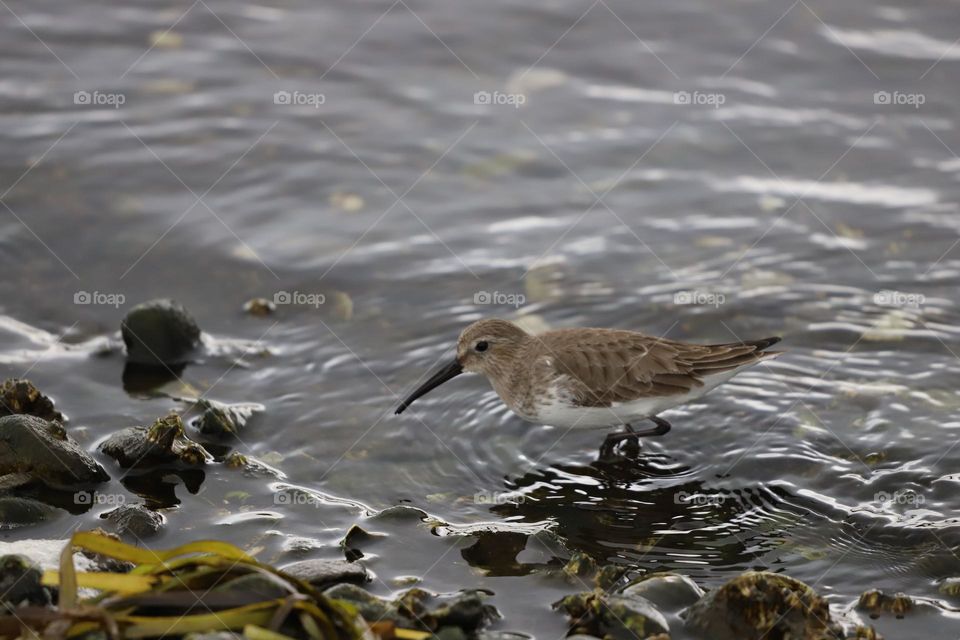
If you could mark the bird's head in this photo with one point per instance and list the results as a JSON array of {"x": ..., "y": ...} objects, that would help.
[{"x": 486, "y": 346}]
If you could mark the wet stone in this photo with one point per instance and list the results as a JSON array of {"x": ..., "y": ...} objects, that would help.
[
  {"x": 134, "y": 520},
  {"x": 668, "y": 591},
  {"x": 220, "y": 419},
  {"x": 159, "y": 332},
  {"x": 620, "y": 616},
  {"x": 164, "y": 442},
  {"x": 876, "y": 602},
  {"x": 33, "y": 449},
  {"x": 468, "y": 611},
  {"x": 369, "y": 606},
  {"x": 16, "y": 512},
  {"x": 356, "y": 538},
  {"x": 324, "y": 573},
  {"x": 256, "y": 586},
  {"x": 761, "y": 604},
  {"x": 20, "y": 396}
]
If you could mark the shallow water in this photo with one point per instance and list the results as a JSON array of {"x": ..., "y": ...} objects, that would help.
[{"x": 787, "y": 198}]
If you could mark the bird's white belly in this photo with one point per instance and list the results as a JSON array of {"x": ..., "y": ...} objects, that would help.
[{"x": 557, "y": 410}]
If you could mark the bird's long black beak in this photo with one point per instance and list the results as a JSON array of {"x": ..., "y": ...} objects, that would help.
[{"x": 441, "y": 375}]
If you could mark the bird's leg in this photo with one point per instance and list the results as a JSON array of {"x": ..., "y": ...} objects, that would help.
[{"x": 628, "y": 436}]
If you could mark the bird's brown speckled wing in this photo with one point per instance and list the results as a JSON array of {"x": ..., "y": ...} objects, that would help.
[{"x": 602, "y": 367}]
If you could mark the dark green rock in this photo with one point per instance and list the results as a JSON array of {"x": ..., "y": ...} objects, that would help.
[
  {"x": 33, "y": 449},
  {"x": 159, "y": 332}
]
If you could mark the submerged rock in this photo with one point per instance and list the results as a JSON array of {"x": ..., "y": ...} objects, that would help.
[
  {"x": 163, "y": 443},
  {"x": 220, "y": 419},
  {"x": 326, "y": 573},
  {"x": 159, "y": 332},
  {"x": 16, "y": 512},
  {"x": 20, "y": 583},
  {"x": 134, "y": 520},
  {"x": 32, "y": 449},
  {"x": 620, "y": 616},
  {"x": 761, "y": 605},
  {"x": 20, "y": 396}
]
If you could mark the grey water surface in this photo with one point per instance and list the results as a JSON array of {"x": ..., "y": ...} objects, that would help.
[{"x": 707, "y": 171}]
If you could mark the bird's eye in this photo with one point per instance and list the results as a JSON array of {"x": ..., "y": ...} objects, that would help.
[{"x": 481, "y": 346}]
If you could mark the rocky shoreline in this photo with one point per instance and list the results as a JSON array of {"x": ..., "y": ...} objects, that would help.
[{"x": 42, "y": 467}]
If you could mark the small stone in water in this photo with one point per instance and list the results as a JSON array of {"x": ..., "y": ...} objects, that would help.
[
  {"x": 260, "y": 307},
  {"x": 324, "y": 573},
  {"x": 135, "y": 520},
  {"x": 159, "y": 332},
  {"x": 876, "y": 602}
]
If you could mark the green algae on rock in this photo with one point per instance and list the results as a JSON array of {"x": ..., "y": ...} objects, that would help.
[
  {"x": 618, "y": 616},
  {"x": 163, "y": 443},
  {"x": 761, "y": 605},
  {"x": 875, "y": 602},
  {"x": 221, "y": 419},
  {"x": 20, "y": 396},
  {"x": 467, "y": 611}
]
